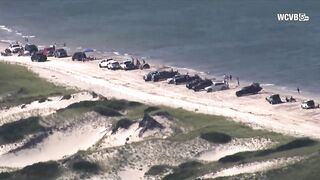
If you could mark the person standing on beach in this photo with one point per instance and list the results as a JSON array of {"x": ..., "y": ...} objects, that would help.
[
  {"x": 230, "y": 77},
  {"x": 298, "y": 89},
  {"x": 225, "y": 77},
  {"x": 238, "y": 80}
]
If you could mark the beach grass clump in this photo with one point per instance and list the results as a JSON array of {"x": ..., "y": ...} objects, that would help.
[
  {"x": 117, "y": 105},
  {"x": 305, "y": 169},
  {"x": 158, "y": 170},
  {"x": 85, "y": 166},
  {"x": 43, "y": 99},
  {"x": 38, "y": 171},
  {"x": 105, "y": 111},
  {"x": 15, "y": 131},
  {"x": 66, "y": 97},
  {"x": 18, "y": 85},
  {"x": 164, "y": 114},
  {"x": 122, "y": 123},
  {"x": 216, "y": 137},
  {"x": 184, "y": 170},
  {"x": 294, "y": 144},
  {"x": 151, "y": 109},
  {"x": 231, "y": 158},
  {"x": 297, "y": 143}
]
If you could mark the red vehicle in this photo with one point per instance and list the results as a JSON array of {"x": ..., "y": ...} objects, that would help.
[{"x": 48, "y": 51}]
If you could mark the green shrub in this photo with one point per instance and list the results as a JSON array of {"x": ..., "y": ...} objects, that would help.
[
  {"x": 297, "y": 143},
  {"x": 105, "y": 111},
  {"x": 216, "y": 137},
  {"x": 66, "y": 97},
  {"x": 184, "y": 170},
  {"x": 231, "y": 158},
  {"x": 44, "y": 99},
  {"x": 85, "y": 166},
  {"x": 157, "y": 170},
  {"x": 14, "y": 131},
  {"x": 151, "y": 109},
  {"x": 122, "y": 123},
  {"x": 38, "y": 171}
]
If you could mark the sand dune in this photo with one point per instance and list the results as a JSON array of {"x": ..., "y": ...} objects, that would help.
[
  {"x": 41, "y": 109},
  {"x": 235, "y": 146},
  {"x": 55, "y": 146},
  {"x": 253, "y": 167}
]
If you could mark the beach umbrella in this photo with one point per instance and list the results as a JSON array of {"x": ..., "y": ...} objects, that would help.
[{"x": 88, "y": 50}]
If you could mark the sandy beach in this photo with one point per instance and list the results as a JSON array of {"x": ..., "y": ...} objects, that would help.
[{"x": 287, "y": 118}]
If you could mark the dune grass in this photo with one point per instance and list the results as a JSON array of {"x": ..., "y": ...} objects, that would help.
[
  {"x": 198, "y": 123},
  {"x": 15, "y": 131},
  {"x": 38, "y": 171},
  {"x": 85, "y": 166},
  {"x": 18, "y": 85}
]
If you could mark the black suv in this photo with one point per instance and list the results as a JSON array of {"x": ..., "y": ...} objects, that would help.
[
  {"x": 79, "y": 56},
  {"x": 159, "y": 75},
  {"x": 162, "y": 75},
  {"x": 31, "y": 48},
  {"x": 201, "y": 85},
  {"x": 192, "y": 83},
  {"x": 60, "y": 53},
  {"x": 38, "y": 57},
  {"x": 148, "y": 77},
  {"x": 254, "y": 88},
  {"x": 274, "y": 99}
]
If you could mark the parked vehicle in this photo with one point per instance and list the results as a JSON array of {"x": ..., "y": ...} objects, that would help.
[
  {"x": 113, "y": 65},
  {"x": 60, "y": 53},
  {"x": 291, "y": 99},
  {"x": 127, "y": 65},
  {"x": 309, "y": 104},
  {"x": 38, "y": 57},
  {"x": 274, "y": 99},
  {"x": 48, "y": 51},
  {"x": 254, "y": 88},
  {"x": 159, "y": 75},
  {"x": 178, "y": 79},
  {"x": 29, "y": 49},
  {"x": 104, "y": 63},
  {"x": 217, "y": 86},
  {"x": 144, "y": 66},
  {"x": 148, "y": 76},
  {"x": 202, "y": 85},
  {"x": 192, "y": 83},
  {"x": 79, "y": 56},
  {"x": 15, "y": 47},
  {"x": 162, "y": 75}
]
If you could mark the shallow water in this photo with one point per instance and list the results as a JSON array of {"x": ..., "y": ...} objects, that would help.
[{"x": 243, "y": 38}]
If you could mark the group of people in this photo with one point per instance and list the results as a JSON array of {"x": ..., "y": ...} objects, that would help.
[{"x": 229, "y": 78}]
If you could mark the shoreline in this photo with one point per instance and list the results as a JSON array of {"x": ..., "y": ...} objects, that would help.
[
  {"x": 269, "y": 87},
  {"x": 254, "y": 111}
]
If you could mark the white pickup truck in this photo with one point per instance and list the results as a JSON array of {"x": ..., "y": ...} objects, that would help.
[
  {"x": 15, "y": 47},
  {"x": 217, "y": 86}
]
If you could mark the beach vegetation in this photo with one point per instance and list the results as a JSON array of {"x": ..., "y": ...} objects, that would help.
[
  {"x": 15, "y": 131},
  {"x": 18, "y": 85}
]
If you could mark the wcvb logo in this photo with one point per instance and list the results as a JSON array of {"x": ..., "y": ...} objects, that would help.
[{"x": 302, "y": 17}]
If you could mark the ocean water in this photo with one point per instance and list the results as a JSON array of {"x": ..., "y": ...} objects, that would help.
[{"x": 242, "y": 38}]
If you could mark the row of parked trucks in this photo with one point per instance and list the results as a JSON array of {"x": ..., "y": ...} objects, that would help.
[
  {"x": 125, "y": 65},
  {"x": 196, "y": 83}
]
